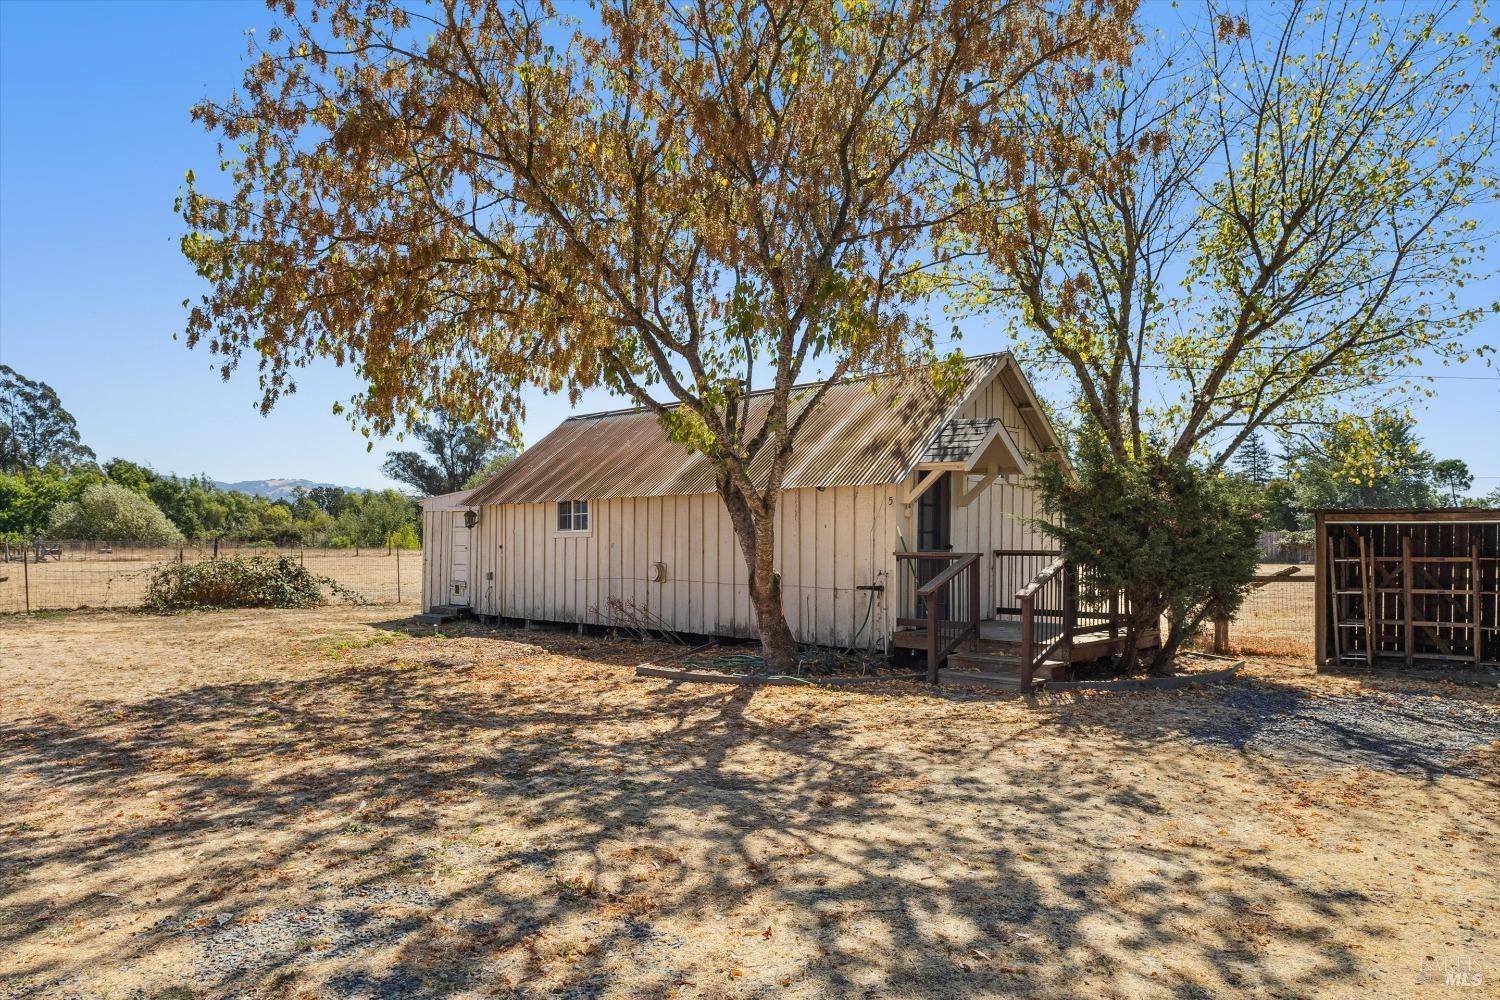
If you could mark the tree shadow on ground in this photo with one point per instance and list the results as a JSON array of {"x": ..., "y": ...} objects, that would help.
[{"x": 515, "y": 817}]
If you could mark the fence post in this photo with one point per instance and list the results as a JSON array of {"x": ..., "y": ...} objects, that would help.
[
  {"x": 26, "y": 575},
  {"x": 302, "y": 556},
  {"x": 1221, "y": 636},
  {"x": 179, "y": 555},
  {"x": 398, "y": 576},
  {"x": 216, "y": 546}
]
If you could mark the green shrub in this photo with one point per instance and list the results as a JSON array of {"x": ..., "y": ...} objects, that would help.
[
  {"x": 108, "y": 512},
  {"x": 241, "y": 582},
  {"x": 1179, "y": 540}
]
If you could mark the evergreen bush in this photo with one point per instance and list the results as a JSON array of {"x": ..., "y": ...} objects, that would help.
[{"x": 1177, "y": 539}]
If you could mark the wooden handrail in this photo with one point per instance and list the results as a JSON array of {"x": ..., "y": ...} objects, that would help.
[
  {"x": 1071, "y": 598},
  {"x": 1068, "y": 611},
  {"x": 1040, "y": 580},
  {"x": 964, "y": 560},
  {"x": 941, "y": 603}
]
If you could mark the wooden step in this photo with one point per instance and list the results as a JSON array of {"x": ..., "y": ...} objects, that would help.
[
  {"x": 1001, "y": 665},
  {"x": 1001, "y": 639},
  {"x": 916, "y": 638},
  {"x": 990, "y": 630},
  {"x": 981, "y": 678},
  {"x": 445, "y": 613},
  {"x": 990, "y": 663}
]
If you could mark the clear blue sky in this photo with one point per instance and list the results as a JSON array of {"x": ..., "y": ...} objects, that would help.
[{"x": 94, "y": 140}]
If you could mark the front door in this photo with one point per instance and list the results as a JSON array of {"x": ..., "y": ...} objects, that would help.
[
  {"x": 934, "y": 525},
  {"x": 935, "y": 516},
  {"x": 458, "y": 563}
]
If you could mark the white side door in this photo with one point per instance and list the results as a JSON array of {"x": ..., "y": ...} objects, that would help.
[{"x": 458, "y": 563}]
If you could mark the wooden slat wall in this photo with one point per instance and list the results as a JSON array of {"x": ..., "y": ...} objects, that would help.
[
  {"x": 437, "y": 551},
  {"x": 1408, "y": 586},
  {"x": 831, "y": 542}
]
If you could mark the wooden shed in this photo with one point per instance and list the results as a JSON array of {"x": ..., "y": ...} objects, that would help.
[
  {"x": 446, "y": 559},
  {"x": 1409, "y": 587},
  {"x": 608, "y": 522}
]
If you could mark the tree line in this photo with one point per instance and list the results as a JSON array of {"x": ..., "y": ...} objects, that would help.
[
  {"x": 1372, "y": 462},
  {"x": 53, "y": 486}
]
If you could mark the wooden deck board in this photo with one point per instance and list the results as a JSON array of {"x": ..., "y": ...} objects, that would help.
[{"x": 1003, "y": 636}]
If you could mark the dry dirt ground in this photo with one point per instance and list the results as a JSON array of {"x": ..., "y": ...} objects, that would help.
[{"x": 314, "y": 804}]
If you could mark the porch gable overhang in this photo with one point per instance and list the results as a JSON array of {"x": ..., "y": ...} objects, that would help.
[{"x": 979, "y": 446}]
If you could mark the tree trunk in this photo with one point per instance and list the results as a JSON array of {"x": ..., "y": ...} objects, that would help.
[
  {"x": 1161, "y": 658},
  {"x": 1146, "y": 616},
  {"x": 1177, "y": 634},
  {"x": 1166, "y": 652},
  {"x": 755, "y": 529}
]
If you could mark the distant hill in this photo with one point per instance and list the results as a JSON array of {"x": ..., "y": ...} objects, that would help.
[{"x": 279, "y": 489}]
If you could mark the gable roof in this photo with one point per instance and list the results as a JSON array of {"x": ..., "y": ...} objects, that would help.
[
  {"x": 967, "y": 444},
  {"x": 871, "y": 429},
  {"x": 956, "y": 440}
]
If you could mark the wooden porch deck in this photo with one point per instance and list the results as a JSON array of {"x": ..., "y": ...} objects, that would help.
[
  {"x": 1003, "y": 636},
  {"x": 995, "y": 660},
  {"x": 1061, "y": 617}
]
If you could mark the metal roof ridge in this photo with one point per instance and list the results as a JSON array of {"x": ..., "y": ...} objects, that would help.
[{"x": 847, "y": 380}]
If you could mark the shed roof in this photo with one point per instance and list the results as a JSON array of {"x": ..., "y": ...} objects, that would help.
[
  {"x": 1403, "y": 514},
  {"x": 457, "y": 500},
  {"x": 866, "y": 430}
]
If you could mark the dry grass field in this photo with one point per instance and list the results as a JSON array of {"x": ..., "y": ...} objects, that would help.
[
  {"x": 89, "y": 578},
  {"x": 319, "y": 804}
]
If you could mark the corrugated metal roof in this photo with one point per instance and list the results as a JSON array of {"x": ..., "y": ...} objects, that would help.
[{"x": 865, "y": 430}]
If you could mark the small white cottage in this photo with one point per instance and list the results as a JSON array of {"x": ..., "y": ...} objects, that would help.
[{"x": 605, "y": 521}]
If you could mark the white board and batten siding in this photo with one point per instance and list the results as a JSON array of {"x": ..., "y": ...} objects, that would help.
[{"x": 829, "y": 542}]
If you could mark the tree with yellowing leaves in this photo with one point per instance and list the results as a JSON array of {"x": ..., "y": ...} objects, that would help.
[{"x": 688, "y": 201}]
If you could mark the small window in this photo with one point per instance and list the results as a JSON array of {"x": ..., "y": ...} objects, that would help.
[{"x": 573, "y": 515}]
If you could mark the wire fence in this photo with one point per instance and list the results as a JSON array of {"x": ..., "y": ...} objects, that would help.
[
  {"x": 1275, "y": 620},
  {"x": 64, "y": 575}
]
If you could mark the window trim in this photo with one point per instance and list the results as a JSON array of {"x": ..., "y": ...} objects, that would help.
[{"x": 578, "y": 509}]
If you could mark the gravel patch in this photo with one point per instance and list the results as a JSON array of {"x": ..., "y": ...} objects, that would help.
[
  {"x": 231, "y": 947},
  {"x": 1402, "y": 733}
]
